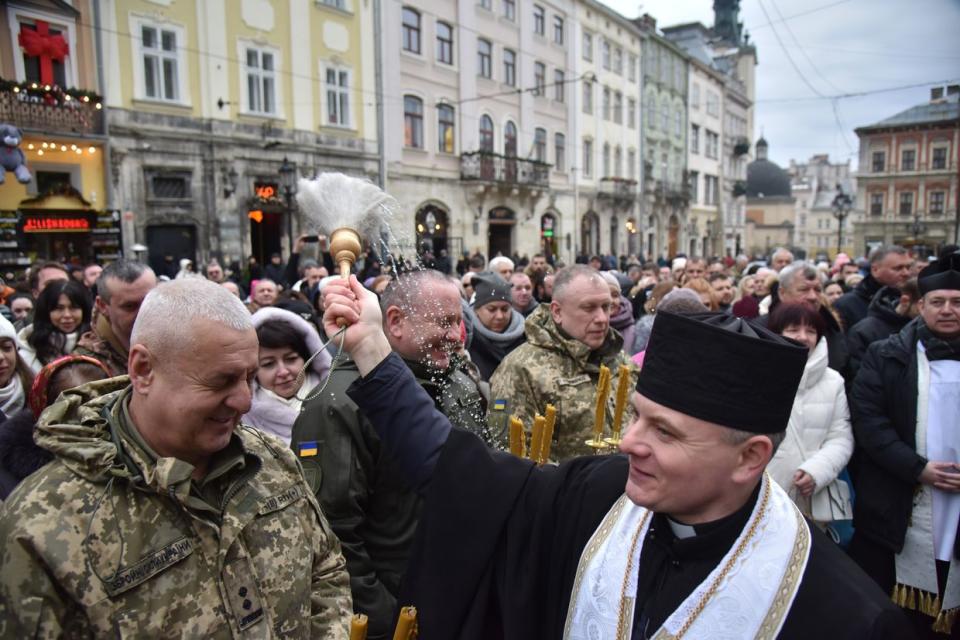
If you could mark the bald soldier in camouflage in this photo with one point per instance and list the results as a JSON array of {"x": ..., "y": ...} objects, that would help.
[
  {"x": 161, "y": 515},
  {"x": 567, "y": 341}
]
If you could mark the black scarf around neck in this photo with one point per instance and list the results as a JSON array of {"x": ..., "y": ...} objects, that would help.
[{"x": 938, "y": 348}]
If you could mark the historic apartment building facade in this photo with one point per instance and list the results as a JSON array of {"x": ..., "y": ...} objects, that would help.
[
  {"x": 209, "y": 99},
  {"x": 816, "y": 184},
  {"x": 907, "y": 181}
]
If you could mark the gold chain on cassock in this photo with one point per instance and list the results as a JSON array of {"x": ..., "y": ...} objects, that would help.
[{"x": 711, "y": 590}]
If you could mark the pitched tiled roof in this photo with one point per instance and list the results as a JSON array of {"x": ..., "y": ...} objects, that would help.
[{"x": 921, "y": 114}]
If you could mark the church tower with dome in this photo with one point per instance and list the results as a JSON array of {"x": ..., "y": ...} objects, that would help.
[{"x": 771, "y": 207}]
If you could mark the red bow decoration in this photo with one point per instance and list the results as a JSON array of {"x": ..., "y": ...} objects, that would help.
[{"x": 48, "y": 48}]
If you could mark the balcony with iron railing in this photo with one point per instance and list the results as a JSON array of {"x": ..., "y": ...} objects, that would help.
[
  {"x": 486, "y": 166},
  {"x": 621, "y": 191},
  {"x": 36, "y": 108},
  {"x": 741, "y": 146}
]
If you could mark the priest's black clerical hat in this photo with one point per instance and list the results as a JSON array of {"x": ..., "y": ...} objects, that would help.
[
  {"x": 722, "y": 369},
  {"x": 942, "y": 274}
]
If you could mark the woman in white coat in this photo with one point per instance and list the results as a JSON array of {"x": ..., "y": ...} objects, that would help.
[{"x": 819, "y": 439}]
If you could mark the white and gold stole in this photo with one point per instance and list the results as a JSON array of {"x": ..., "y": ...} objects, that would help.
[{"x": 748, "y": 594}]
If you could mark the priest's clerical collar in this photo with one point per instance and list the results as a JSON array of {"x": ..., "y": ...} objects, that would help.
[{"x": 739, "y": 517}]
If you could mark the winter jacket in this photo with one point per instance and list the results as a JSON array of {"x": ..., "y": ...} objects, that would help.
[
  {"x": 109, "y": 541},
  {"x": 489, "y": 348},
  {"x": 370, "y": 508},
  {"x": 101, "y": 343},
  {"x": 819, "y": 423},
  {"x": 853, "y": 305},
  {"x": 29, "y": 354},
  {"x": 19, "y": 455},
  {"x": 881, "y": 322},
  {"x": 553, "y": 368},
  {"x": 269, "y": 412},
  {"x": 883, "y": 403}
]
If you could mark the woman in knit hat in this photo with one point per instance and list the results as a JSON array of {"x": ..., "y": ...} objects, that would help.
[
  {"x": 496, "y": 328},
  {"x": 15, "y": 375}
]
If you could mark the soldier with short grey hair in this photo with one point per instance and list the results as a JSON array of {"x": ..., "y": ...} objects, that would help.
[
  {"x": 567, "y": 341},
  {"x": 161, "y": 515}
]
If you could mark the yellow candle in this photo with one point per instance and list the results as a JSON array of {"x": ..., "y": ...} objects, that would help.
[
  {"x": 406, "y": 624},
  {"x": 623, "y": 388},
  {"x": 536, "y": 439},
  {"x": 549, "y": 421},
  {"x": 518, "y": 441},
  {"x": 603, "y": 389},
  {"x": 358, "y": 627}
]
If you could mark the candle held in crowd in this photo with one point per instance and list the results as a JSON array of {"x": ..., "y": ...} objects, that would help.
[
  {"x": 550, "y": 420},
  {"x": 518, "y": 440},
  {"x": 358, "y": 627},
  {"x": 536, "y": 439}
]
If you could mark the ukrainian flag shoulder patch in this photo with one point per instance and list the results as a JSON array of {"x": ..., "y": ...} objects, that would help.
[
  {"x": 499, "y": 405},
  {"x": 307, "y": 449}
]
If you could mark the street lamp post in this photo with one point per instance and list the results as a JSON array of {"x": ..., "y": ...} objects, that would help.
[
  {"x": 288, "y": 180},
  {"x": 841, "y": 209},
  {"x": 917, "y": 230}
]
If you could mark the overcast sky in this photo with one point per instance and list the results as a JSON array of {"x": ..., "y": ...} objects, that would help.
[{"x": 840, "y": 46}]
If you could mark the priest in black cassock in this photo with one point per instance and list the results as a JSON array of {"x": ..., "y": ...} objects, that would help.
[{"x": 684, "y": 536}]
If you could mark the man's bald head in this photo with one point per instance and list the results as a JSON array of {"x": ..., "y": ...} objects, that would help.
[
  {"x": 190, "y": 301},
  {"x": 566, "y": 276}
]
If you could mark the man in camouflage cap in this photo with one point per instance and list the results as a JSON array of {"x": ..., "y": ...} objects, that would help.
[
  {"x": 567, "y": 341},
  {"x": 161, "y": 515}
]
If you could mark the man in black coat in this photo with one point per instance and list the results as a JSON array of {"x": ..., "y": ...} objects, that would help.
[
  {"x": 889, "y": 312},
  {"x": 904, "y": 407},
  {"x": 506, "y": 549},
  {"x": 889, "y": 267}
]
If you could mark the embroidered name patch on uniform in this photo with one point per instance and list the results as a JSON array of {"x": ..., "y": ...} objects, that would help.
[
  {"x": 499, "y": 405},
  {"x": 307, "y": 449}
]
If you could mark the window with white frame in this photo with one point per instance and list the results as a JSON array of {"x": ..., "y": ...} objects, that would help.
[
  {"x": 486, "y": 4},
  {"x": 559, "y": 85},
  {"x": 261, "y": 81},
  {"x": 938, "y": 158},
  {"x": 486, "y": 133},
  {"x": 695, "y": 139},
  {"x": 713, "y": 103},
  {"x": 694, "y": 186},
  {"x": 695, "y": 96},
  {"x": 160, "y": 57},
  {"x": 605, "y": 54},
  {"x": 876, "y": 203},
  {"x": 33, "y": 63},
  {"x": 445, "y": 128},
  {"x": 587, "y": 46},
  {"x": 618, "y": 60},
  {"x": 632, "y": 113},
  {"x": 937, "y": 201},
  {"x": 606, "y": 160},
  {"x": 712, "y": 149},
  {"x": 559, "y": 152},
  {"x": 587, "y": 97},
  {"x": 908, "y": 160},
  {"x": 632, "y": 164},
  {"x": 618, "y": 107},
  {"x": 509, "y": 67},
  {"x": 605, "y": 106},
  {"x": 444, "y": 43},
  {"x": 618, "y": 162},
  {"x": 337, "y": 91},
  {"x": 510, "y": 10},
  {"x": 651, "y": 113},
  {"x": 906, "y": 203},
  {"x": 632, "y": 67},
  {"x": 678, "y": 123},
  {"x": 558, "y": 29},
  {"x": 665, "y": 118}
]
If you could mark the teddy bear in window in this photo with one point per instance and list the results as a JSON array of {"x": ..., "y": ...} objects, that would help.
[{"x": 11, "y": 157}]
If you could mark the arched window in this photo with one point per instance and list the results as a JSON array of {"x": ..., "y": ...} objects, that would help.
[
  {"x": 509, "y": 139},
  {"x": 413, "y": 122},
  {"x": 411, "y": 30},
  {"x": 486, "y": 133},
  {"x": 445, "y": 128},
  {"x": 665, "y": 117},
  {"x": 651, "y": 112}
]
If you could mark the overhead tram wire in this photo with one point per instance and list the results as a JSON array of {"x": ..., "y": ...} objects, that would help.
[
  {"x": 857, "y": 94},
  {"x": 834, "y": 104},
  {"x": 798, "y": 15}
]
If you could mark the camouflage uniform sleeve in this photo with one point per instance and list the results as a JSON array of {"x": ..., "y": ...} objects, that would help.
[
  {"x": 331, "y": 607},
  {"x": 31, "y": 606},
  {"x": 511, "y": 384}
]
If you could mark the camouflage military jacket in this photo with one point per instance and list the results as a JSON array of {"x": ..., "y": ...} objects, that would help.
[
  {"x": 100, "y": 343},
  {"x": 551, "y": 368},
  {"x": 104, "y": 542}
]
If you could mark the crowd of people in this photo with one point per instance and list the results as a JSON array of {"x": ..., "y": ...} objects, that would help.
[{"x": 132, "y": 398}]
